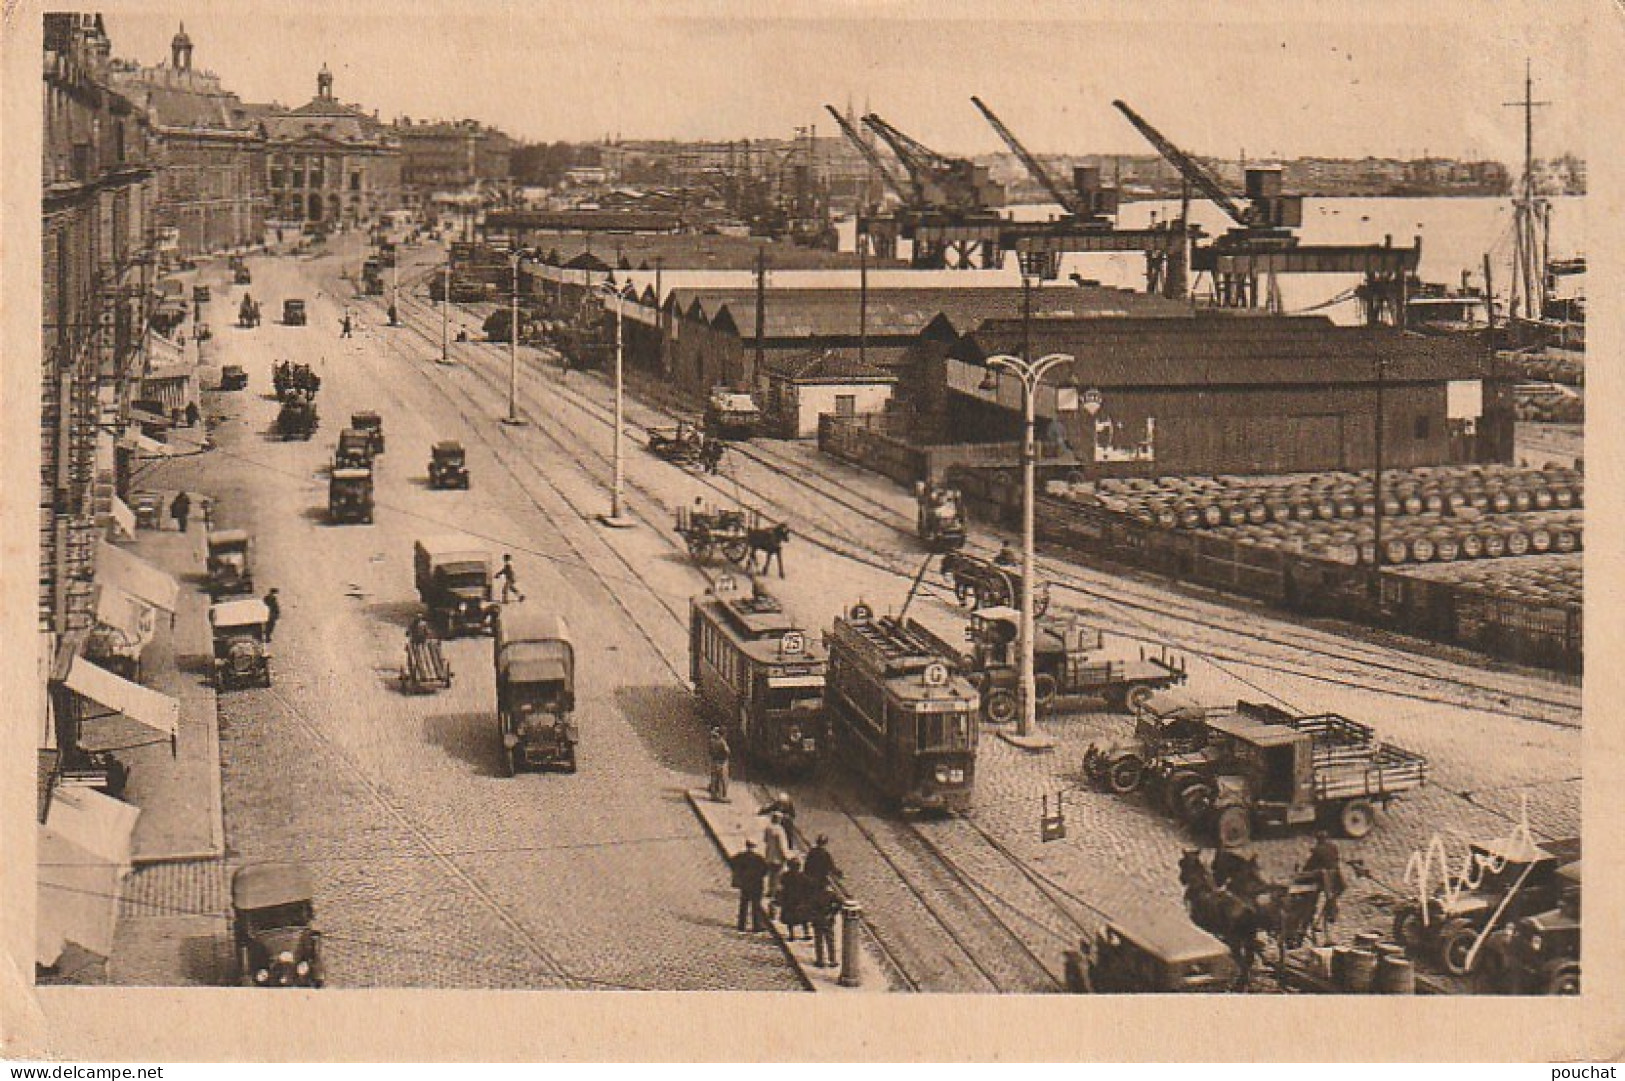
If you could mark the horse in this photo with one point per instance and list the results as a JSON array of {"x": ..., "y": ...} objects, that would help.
[
  {"x": 1220, "y": 913},
  {"x": 770, "y": 542},
  {"x": 1292, "y": 913}
]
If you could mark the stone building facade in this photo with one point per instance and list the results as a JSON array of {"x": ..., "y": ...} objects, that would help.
[
  {"x": 328, "y": 162},
  {"x": 449, "y": 156},
  {"x": 209, "y": 153}
]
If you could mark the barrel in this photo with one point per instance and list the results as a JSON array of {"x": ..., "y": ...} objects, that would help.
[
  {"x": 1414, "y": 504},
  {"x": 1423, "y": 549},
  {"x": 1303, "y": 511},
  {"x": 1565, "y": 540},
  {"x": 1354, "y": 969},
  {"x": 1540, "y": 540},
  {"x": 1543, "y": 498},
  {"x": 1257, "y": 513},
  {"x": 1517, "y": 543},
  {"x": 1368, "y": 941},
  {"x": 1495, "y": 545},
  {"x": 1395, "y": 975},
  {"x": 1446, "y": 548},
  {"x": 1521, "y": 499},
  {"x": 1501, "y": 502},
  {"x": 1472, "y": 545},
  {"x": 1563, "y": 497}
]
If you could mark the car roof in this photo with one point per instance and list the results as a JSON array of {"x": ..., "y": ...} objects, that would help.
[
  {"x": 364, "y": 414},
  {"x": 1170, "y": 936},
  {"x": 1519, "y": 850},
  {"x": 227, "y": 536},
  {"x": 264, "y": 885},
  {"x": 443, "y": 545},
  {"x": 520, "y": 622},
  {"x": 446, "y": 445},
  {"x": 1255, "y": 731},
  {"x": 351, "y": 473},
  {"x": 238, "y": 613}
]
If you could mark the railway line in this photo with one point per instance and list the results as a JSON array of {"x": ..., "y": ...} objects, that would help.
[{"x": 1307, "y": 652}]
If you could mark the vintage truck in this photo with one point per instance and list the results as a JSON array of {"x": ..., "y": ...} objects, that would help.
[
  {"x": 453, "y": 575},
  {"x": 732, "y": 414},
  {"x": 535, "y": 677},
  {"x": 349, "y": 494},
  {"x": 229, "y": 562},
  {"x": 1069, "y": 660}
]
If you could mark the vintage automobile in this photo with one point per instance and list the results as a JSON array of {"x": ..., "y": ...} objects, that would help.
[
  {"x": 349, "y": 495},
  {"x": 683, "y": 444},
  {"x": 1069, "y": 660},
  {"x": 233, "y": 377},
  {"x": 1157, "y": 955},
  {"x": 1506, "y": 882},
  {"x": 297, "y": 419},
  {"x": 732, "y": 414},
  {"x": 1164, "y": 728},
  {"x": 371, "y": 424},
  {"x": 242, "y": 645},
  {"x": 535, "y": 676},
  {"x": 271, "y": 927},
  {"x": 1539, "y": 954},
  {"x": 453, "y": 575},
  {"x": 200, "y": 294},
  {"x": 293, "y": 313},
  {"x": 448, "y": 465},
  {"x": 372, "y": 282},
  {"x": 354, "y": 450},
  {"x": 229, "y": 563},
  {"x": 939, "y": 516},
  {"x": 241, "y": 276}
]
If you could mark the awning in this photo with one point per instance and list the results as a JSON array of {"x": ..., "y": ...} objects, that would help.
[
  {"x": 135, "y": 576},
  {"x": 84, "y": 854},
  {"x": 134, "y": 440},
  {"x": 140, "y": 704},
  {"x": 795, "y": 681},
  {"x": 130, "y": 616},
  {"x": 123, "y": 517}
]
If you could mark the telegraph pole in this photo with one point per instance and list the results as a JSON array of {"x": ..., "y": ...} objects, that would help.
[{"x": 445, "y": 310}]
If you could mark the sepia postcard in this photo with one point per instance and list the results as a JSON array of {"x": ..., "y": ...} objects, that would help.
[{"x": 843, "y": 530}]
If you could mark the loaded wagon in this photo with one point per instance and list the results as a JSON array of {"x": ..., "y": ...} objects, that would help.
[
  {"x": 980, "y": 583},
  {"x": 706, "y": 530}
]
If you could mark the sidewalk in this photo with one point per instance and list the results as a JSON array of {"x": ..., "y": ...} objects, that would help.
[{"x": 730, "y": 825}]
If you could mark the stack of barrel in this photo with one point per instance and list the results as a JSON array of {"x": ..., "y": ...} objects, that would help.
[{"x": 1372, "y": 966}]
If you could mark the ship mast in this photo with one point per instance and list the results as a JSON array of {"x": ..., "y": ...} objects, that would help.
[{"x": 1531, "y": 218}]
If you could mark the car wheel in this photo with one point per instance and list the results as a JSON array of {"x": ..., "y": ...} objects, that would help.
[
  {"x": 1173, "y": 787},
  {"x": 1456, "y": 946},
  {"x": 1137, "y": 698},
  {"x": 1409, "y": 930},
  {"x": 1125, "y": 775},
  {"x": 1356, "y": 818},
  {"x": 1193, "y": 802},
  {"x": 1044, "y": 690},
  {"x": 1233, "y": 826},
  {"x": 1001, "y": 705},
  {"x": 1563, "y": 978}
]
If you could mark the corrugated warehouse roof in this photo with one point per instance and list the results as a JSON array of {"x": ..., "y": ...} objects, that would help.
[
  {"x": 1217, "y": 349},
  {"x": 838, "y": 365},
  {"x": 676, "y": 251}
]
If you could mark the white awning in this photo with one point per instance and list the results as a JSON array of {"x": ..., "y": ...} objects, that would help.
[
  {"x": 135, "y": 576},
  {"x": 141, "y": 704},
  {"x": 131, "y": 616},
  {"x": 134, "y": 440},
  {"x": 84, "y": 854},
  {"x": 123, "y": 517}
]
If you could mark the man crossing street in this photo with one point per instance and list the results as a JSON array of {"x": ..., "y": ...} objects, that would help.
[{"x": 749, "y": 873}]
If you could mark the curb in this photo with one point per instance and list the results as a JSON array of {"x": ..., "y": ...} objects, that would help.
[{"x": 772, "y": 927}]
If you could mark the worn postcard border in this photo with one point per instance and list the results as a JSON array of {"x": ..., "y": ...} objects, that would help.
[{"x": 193, "y": 1025}]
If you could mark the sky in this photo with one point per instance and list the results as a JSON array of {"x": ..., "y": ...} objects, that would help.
[{"x": 1270, "y": 78}]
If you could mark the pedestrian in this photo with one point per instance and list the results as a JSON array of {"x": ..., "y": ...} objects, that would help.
[
  {"x": 394, "y": 317},
  {"x": 822, "y": 906},
  {"x": 180, "y": 509},
  {"x": 820, "y": 866},
  {"x": 749, "y": 868},
  {"x": 419, "y": 631},
  {"x": 1006, "y": 556},
  {"x": 510, "y": 580},
  {"x": 776, "y": 850},
  {"x": 345, "y": 324},
  {"x": 1326, "y": 861},
  {"x": 719, "y": 753},
  {"x": 273, "y": 612},
  {"x": 192, "y": 415},
  {"x": 793, "y": 898}
]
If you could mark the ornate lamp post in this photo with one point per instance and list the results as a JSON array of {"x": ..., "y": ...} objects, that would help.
[{"x": 1030, "y": 374}]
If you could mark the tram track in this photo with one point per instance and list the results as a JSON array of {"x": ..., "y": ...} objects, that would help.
[{"x": 1344, "y": 663}]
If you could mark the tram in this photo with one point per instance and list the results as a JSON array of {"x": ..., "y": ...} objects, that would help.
[
  {"x": 758, "y": 675},
  {"x": 900, "y": 712}
]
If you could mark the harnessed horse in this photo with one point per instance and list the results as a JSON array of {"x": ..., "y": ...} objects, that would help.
[{"x": 770, "y": 542}]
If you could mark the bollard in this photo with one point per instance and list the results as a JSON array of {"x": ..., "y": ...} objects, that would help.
[{"x": 851, "y": 924}]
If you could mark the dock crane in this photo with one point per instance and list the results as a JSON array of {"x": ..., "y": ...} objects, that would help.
[
  {"x": 1087, "y": 201},
  {"x": 870, "y": 155},
  {"x": 938, "y": 182}
]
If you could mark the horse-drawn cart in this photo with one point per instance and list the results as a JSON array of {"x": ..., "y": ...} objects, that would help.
[
  {"x": 426, "y": 669},
  {"x": 739, "y": 534},
  {"x": 683, "y": 444},
  {"x": 982, "y": 583}
]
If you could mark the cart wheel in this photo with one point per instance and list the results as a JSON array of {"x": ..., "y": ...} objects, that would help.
[
  {"x": 1456, "y": 946},
  {"x": 1409, "y": 931},
  {"x": 1563, "y": 978},
  {"x": 1044, "y": 690},
  {"x": 1356, "y": 818},
  {"x": 736, "y": 549},
  {"x": 699, "y": 547},
  {"x": 1125, "y": 775},
  {"x": 1137, "y": 699},
  {"x": 1000, "y": 705},
  {"x": 1233, "y": 826}
]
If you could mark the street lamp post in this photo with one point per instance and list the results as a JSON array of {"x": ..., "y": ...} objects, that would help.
[
  {"x": 1031, "y": 375},
  {"x": 445, "y": 311},
  {"x": 614, "y": 517},
  {"x": 513, "y": 351}
]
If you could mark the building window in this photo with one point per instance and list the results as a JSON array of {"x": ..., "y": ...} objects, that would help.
[
  {"x": 846, "y": 405},
  {"x": 355, "y": 180},
  {"x": 1423, "y": 426}
]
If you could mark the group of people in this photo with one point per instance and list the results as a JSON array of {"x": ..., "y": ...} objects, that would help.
[{"x": 774, "y": 882}]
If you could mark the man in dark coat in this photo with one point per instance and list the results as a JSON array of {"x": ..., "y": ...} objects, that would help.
[
  {"x": 1325, "y": 860},
  {"x": 180, "y": 509},
  {"x": 273, "y": 607},
  {"x": 793, "y": 898},
  {"x": 822, "y": 907},
  {"x": 820, "y": 867},
  {"x": 749, "y": 873}
]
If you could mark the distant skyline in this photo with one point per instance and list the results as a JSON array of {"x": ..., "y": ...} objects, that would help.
[{"x": 1271, "y": 79}]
